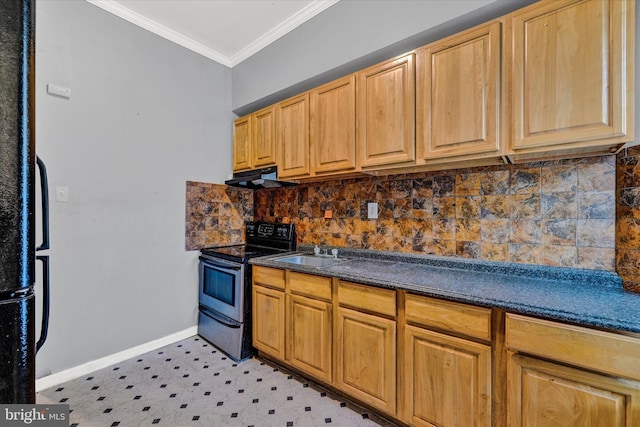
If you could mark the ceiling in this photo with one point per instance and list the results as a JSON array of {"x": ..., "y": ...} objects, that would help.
[{"x": 227, "y": 31}]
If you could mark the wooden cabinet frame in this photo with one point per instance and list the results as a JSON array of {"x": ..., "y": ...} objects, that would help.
[
  {"x": 366, "y": 358},
  {"x": 292, "y": 137},
  {"x": 242, "y": 145},
  {"x": 441, "y": 372},
  {"x": 458, "y": 89},
  {"x": 543, "y": 393},
  {"x": 565, "y": 99},
  {"x": 554, "y": 79},
  {"x": 377, "y": 345},
  {"x": 269, "y": 321},
  {"x": 386, "y": 113},
  {"x": 333, "y": 126},
  {"x": 254, "y": 143}
]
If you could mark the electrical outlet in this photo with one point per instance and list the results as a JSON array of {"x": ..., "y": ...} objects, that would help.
[{"x": 372, "y": 210}]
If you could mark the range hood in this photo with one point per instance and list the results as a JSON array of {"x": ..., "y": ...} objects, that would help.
[{"x": 258, "y": 178}]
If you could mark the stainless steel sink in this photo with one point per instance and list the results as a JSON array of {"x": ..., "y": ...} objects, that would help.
[{"x": 309, "y": 260}]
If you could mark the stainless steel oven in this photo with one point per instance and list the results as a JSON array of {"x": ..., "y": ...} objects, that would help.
[
  {"x": 222, "y": 286},
  {"x": 224, "y": 317}
]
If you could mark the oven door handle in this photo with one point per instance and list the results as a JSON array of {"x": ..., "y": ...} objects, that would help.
[
  {"x": 219, "y": 264},
  {"x": 220, "y": 318}
]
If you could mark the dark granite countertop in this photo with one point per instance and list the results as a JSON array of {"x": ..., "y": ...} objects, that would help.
[{"x": 586, "y": 297}]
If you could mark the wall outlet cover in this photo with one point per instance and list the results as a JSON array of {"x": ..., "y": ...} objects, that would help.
[{"x": 372, "y": 210}]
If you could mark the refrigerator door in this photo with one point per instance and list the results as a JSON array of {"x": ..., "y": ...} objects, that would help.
[
  {"x": 17, "y": 354},
  {"x": 17, "y": 171},
  {"x": 17, "y": 154}
]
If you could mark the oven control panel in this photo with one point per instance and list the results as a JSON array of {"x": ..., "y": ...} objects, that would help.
[{"x": 268, "y": 231}]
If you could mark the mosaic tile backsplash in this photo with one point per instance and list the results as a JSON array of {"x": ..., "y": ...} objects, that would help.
[
  {"x": 559, "y": 213},
  {"x": 215, "y": 214},
  {"x": 628, "y": 218},
  {"x": 581, "y": 213}
]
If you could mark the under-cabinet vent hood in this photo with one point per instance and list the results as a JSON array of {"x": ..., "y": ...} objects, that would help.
[{"x": 258, "y": 178}]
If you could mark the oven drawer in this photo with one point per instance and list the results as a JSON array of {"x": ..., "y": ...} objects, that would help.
[{"x": 269, "y": 277}]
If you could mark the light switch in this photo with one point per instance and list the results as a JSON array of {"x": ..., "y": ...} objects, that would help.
[
  {"x": 58, "y": 90},
  {"x": 62, "y": 194},
  {"x": 372, "y": 210}
]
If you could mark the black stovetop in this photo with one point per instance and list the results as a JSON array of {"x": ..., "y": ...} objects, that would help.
[
  {"x": 240, "y": 253},
  {"x": 263, "y": 238}
]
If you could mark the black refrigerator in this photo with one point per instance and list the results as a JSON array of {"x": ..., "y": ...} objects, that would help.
[{"x": 18, "y": 179}]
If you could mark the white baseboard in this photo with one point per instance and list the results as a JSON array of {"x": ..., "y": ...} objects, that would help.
[{"x": 86, "y": 368}]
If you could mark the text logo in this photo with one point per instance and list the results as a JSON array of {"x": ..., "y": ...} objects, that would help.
[{"x": 34, "y": 415}]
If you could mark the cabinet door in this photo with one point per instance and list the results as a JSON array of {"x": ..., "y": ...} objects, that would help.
[
  {"x": 447, "y": 380},
  {"x": 333, "y": 126},
  {"x": 242, "y": 144},
  {"x": 544, "y": 394},
  {"x": 263, "y": 127},
  {"x": 310, "y": 336},
  {"x": 293, "y": 137},
  {"x": 386, "y": 112},
  {"x": 572, "y": 74},
  {"x": 366, "y": 358},
  {"x": 268, "y": 321},
  {"x": 457, "y": 94}
]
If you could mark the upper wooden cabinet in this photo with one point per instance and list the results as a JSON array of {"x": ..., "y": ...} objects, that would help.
[
  {"x": 242, "y": 144},
  {"x": 263, "y": 128},
  {"x": 571, "y": 67},
  {"x": 458, "y": 95},
  {"x": 333, "y": 126},
  {"x": 386, "y": 113},
  {"x": 254, "y": 143},
  {"x": 554, "y": 79},
  {"x": 292, "y": 137}
]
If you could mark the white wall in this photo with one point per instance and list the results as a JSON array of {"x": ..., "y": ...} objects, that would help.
[
  {"x": 145, "y": 116},
  {"x": 349, "y": 36}
]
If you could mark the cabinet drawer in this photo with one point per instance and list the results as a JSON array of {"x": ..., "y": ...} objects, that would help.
[
  {"x": 449, "y": 316},
  {"x": 313, "y": 286},
  {"x": 367, "y": 298},
  {"x": 271, "y": 277},
  {"x": 598, "y": 350}
]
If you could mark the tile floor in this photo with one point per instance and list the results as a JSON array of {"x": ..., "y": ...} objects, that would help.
[{"x": 191, "y": 383}]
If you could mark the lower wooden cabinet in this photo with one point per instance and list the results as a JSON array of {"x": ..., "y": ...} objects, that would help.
[
  {"x": 268, "y": 321},
  {"x": 447, "y": 380},
  {"x": 431, "y": 362},
  {"x": 310, "y": 336},
  {"x": 587, "y": 377},
  {"x": 548, "y": 394},
  {"x": 446, "y": 361},
  {"x": 366, "y": 358}
]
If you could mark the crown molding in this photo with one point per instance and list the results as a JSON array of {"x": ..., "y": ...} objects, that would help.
[
  {"x": 290, "y": 24},
  {"x": 269, "y": 37},
  {"x": 161, "y": 30}
]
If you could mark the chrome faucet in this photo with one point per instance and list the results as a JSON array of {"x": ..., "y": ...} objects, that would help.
[{"x": 324, "y": 252}]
